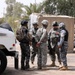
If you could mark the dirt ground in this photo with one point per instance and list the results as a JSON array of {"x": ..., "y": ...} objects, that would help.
[{"x": 33, "y": 68}]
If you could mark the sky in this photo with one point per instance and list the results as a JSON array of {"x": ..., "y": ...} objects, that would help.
[{"x": 25, "y": 2}]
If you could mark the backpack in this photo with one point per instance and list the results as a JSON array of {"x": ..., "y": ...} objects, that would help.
[{"x": 20, "y": 34}]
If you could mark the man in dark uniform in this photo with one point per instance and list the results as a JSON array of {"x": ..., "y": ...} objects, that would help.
[
  {"x": 63, "y": 46},
  {"x": 25, "y": 48}
]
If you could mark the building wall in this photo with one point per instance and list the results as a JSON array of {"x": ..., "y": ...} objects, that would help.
[{"x": 69, "y": 22}]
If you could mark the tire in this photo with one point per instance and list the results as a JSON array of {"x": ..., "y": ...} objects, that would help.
[{"x": 3, "y": 62}]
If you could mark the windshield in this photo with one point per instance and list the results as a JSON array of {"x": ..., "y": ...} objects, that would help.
[{"x": 6, "y": 26}]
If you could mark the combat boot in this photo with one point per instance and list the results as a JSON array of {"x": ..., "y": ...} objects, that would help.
[
  {"x": 53, "y": 64},
  {"x": 22, "y": 66},
  {"x": 64, "y": 68},
  {"x": 60, "y": 65},
  {"x": 39, "y": 66},
  {"x": 27, "y": 66}
]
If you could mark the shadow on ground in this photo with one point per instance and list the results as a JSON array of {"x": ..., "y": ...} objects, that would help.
[
  {"x": 34, "y": 71},
  {"x": 11, "y": 71}
]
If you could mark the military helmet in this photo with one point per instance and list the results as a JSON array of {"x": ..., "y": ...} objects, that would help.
[
  {"x": 23, "y": 22},
  {"x": 61, "y": 25},
  {"x": 54, "y": 23},
  {"x": 44, "y": 22},
  {"x": 35, "y": 23}
]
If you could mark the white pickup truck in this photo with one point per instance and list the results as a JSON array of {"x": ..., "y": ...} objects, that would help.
[{"x": 7, "y": 46}]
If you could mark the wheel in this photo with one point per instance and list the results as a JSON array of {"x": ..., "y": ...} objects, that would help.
[{"x": 3, "y": 62}]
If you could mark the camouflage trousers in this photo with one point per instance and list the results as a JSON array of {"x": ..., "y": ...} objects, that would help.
[
  {"x": 53, "y": 52},
  {"x": 42, "y": 55},
  {"x": 25, "y": 54},
  {"x": 63, "y": 53},
  {"x": 34, "y": 51}
]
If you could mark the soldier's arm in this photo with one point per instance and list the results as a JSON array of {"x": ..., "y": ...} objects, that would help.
[
  {"x": 37, "y": 35},
  {"x": 49, "y": 39},
  {"x": 43, "y": 35},
  {"x": 29, "y": 35},
  {"x": 49, "y": 36},
  {"x": 31, "y": 32},
  {"x": 62, "y": 34}
]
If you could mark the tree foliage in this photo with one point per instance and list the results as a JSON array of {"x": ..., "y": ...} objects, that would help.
[
  {"x": 17, "y": 9},
  {"x": 13, "y": 12},
  {"x": 14, "y": 9},
  {"x": 36, "y": 8},
  {"x": 64, "y": 7},
  {"x": 1, "y": 20},
  {"x": 9, "y": 9},
  {"x": 10, "y": 1}
]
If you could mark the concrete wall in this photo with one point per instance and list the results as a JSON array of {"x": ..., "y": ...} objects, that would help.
[{"x": 69, "y": 22}]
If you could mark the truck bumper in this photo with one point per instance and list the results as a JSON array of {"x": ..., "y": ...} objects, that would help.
[{"x": 15, "y": 54}]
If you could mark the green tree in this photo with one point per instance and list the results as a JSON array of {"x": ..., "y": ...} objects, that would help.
[
  {"x": 17, "y": 9},
  {"x": 9, "y": 9},
  {"x": 50, "y": 6},
  {"x": 1, "y": 20},
  {"x": 33, "y": 8},
  {"x": 64, "y": 7},
  {"x": 10, "y": 1},
  {"x": 13, "y": 12}
]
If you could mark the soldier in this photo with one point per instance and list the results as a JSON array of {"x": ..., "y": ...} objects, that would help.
[
  {"x": 24, "y": 44},
  {"x": 33, "y": 33},
  {"x": 53, "y": 38},
  {"x": 42, "y": 37},
  {"x": 63, "y": 46}
]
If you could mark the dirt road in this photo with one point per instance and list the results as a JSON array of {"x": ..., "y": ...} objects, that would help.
[{"x": 48, "y": 71}]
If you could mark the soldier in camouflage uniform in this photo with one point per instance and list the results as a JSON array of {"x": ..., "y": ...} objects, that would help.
[
  {"x": 42, "y": 37},
  {"x": 53, "y": 38},
  {"x": 25, "y": 49},
  {"x": 33, "y": 33},
  {"x": 63, "y": 46}
]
